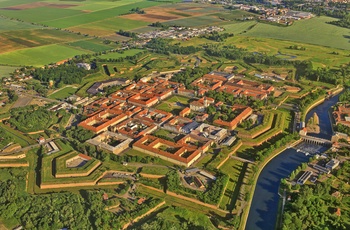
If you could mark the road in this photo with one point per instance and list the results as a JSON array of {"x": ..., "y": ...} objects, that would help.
[
  {"x": 242, "y": 159},
  {"x": 26, "y": 148}
]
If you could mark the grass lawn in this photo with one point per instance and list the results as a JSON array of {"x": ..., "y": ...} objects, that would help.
[
  {"x": 40, "y": 56},
  {"x": 125, "y": 53},
  {"x": 18, "y": 137},
  {"x": 154, "y": 170},
  {"x": 181, "y": 99},
  {"x": 133, "y": 152},
  {"x": 238, "y": 27},
  {"x": 202, "y": 162},
  {"x": 63, "y": 93},
  {"x": 174, "y": 104},
  {"x": 178, "y": 202},
  {"x": 165, "y": 107},
  {"x": 162, "y": 132},
  {"x": 236, "y": 170}
]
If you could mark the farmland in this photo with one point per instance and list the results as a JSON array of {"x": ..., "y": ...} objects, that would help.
[
  {"x": 90, "y": 45},
  {"x": 314, "y": 31},
  {"x": 39, "y": 56}
]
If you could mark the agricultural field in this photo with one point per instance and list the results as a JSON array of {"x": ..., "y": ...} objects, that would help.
[
  {"x": 10, "y": 25},
  {"x": 63, "y": 93},
  {"x": 39, "y": 56},
  {"x": 91, "y": 45},
  {"x": 205, "y": 20},
  {"x": 21, "y": 39},
  {"x": 313, "y": 31},
  {"x": 6, "y": 70}
]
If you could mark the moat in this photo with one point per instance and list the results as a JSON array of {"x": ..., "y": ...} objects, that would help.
[{"x": 264, "y": 208}]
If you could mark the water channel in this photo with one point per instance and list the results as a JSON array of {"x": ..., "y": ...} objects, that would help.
[{"x": 264, "y": 208}]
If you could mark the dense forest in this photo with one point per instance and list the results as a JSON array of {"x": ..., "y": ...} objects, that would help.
[
  {"x": 178, "y": 218},
  {"x": 85, "y": 210},
  {"x": 62, "y": 74},
  {"x": 218, "y": 37},
  {"x": 32, "y": 118},
  {"x": 163, "y": 46},
  {"x": 313, "y": 207}
]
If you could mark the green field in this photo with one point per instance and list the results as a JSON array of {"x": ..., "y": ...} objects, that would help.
[
  {"x": 90, "y": 45},
  {"x": 154, "y": 170},
  {"x": 236, "y": 170},
  {"x": 195, "y": 21},
  {"x": 7, "y": 24},
  {"x": 238, "y": 27},
  {"x": 63, "y": 93},
  {"x": 125, "y": 53},
  {"x": 39, "y": 56},
  {"x": 85, "y": 18},
  {"x": 6, "y": 70},
  {"x": 40, "y": 14},
  {"x": 313, "y": 31},
  {"x": 114, "y": 24},
  {"x": 19, "y": 138}
]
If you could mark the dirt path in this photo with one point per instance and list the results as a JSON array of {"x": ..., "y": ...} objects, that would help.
[{"x": 146, "y": 214}]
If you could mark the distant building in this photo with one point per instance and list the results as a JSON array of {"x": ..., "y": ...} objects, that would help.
[
  {"x": 41, "y": 140},
  {"x": 332, "y": 164},
  {"x": 84, "y": 65},
  {"x": 99, "y": 86}
]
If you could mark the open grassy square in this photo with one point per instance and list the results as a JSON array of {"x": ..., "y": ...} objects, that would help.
[{"x": 63, "y": 93}]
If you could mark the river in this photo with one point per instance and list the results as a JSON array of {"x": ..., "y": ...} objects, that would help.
[{"x": 264, "y": 207}]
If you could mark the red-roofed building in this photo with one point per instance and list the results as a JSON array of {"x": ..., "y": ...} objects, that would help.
[
  {"x": 201, "y": 104},
  {"x": 245, "y": 112},
  {"x": 186, "y": 111},
  {"x": 154, "y": 116},
  {"x": 185, "y": 152}
]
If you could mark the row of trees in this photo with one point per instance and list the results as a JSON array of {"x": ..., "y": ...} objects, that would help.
[
  {"x": 310, "y": 98},
  {"x": 262, "y": 154},
  {"x": 344, "y": 22}
]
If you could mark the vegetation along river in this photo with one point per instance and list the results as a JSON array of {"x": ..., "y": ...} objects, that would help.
[{"x": 264, "y": 208}]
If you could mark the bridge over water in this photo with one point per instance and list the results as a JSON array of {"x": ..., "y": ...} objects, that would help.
[{"x": 316, "y": 140}]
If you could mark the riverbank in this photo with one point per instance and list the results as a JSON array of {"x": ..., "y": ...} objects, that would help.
[
  {"x": 319, "y": 101},
  {"x": 261, "y": 166}
]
